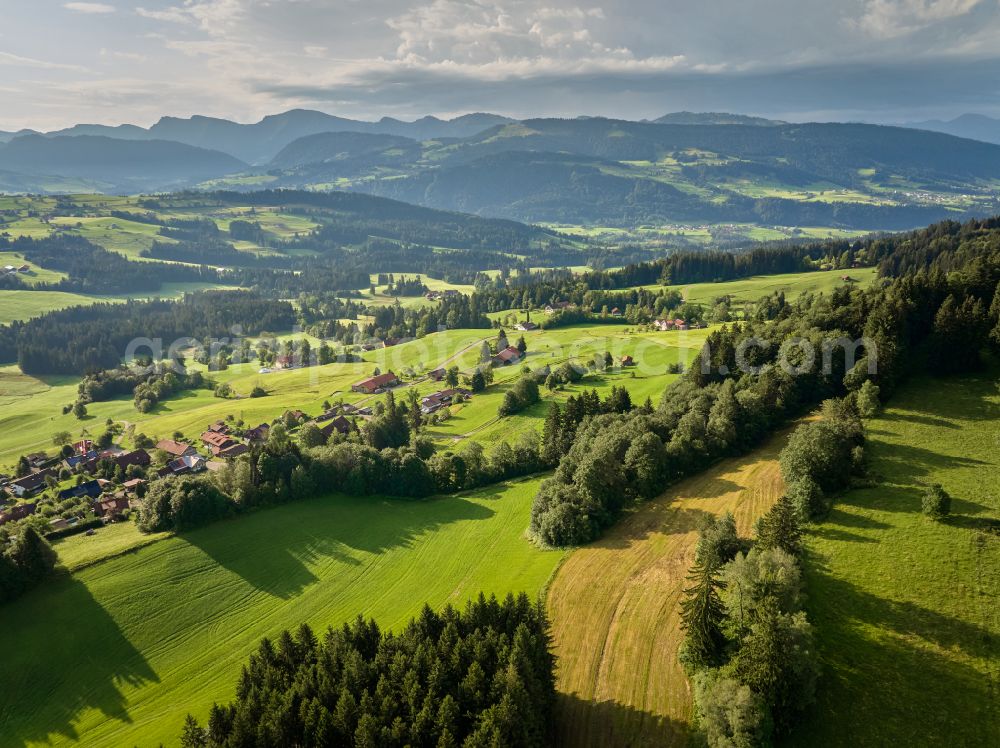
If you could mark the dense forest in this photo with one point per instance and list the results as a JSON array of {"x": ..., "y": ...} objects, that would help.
[
  {"x": 479, "y": 677},
  {"x": 91, "y": 338}
]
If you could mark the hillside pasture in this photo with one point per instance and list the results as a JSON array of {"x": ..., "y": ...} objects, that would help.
[
  {"x": 117, "y": 653},
  {"x": 905, "y": 607}
]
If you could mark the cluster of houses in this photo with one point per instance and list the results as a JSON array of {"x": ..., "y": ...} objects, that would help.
[
  {"x": 437, "y": 295},
  {"x": 11, "y": 270},
  {"x": 434, "y": 402},
  {"x": 671, "y": 324}
]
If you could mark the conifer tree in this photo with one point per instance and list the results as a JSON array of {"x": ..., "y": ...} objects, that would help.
[
  {"x": 702, "y": 615},
  {"x": 780, "y": 528}
]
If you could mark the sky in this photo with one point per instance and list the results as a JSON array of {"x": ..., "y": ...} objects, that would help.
[{"x": 113, "y": 62}]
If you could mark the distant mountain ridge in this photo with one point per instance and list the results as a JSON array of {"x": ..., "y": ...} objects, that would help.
[
  {"x": 122, "y": 165},
  {"x": 972, "y": 126},
  {"x": 715, "y": 118},
  {"x": 261, "y": 141}
]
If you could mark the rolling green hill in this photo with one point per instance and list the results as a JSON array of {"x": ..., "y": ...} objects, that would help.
[{"x": 119, "y": 652}]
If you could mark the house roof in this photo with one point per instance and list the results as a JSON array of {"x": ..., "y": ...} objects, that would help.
[
  {"x": 510, "y": 353},
  {"x": 216, "y": 439},
  {"x": 172, "y": 447},
  {"x": 379, "y": 380}
]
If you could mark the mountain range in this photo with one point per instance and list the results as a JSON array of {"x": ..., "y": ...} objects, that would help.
[
  {"x": 972, "y": 126},
  {"x": 683, "y": 167}
]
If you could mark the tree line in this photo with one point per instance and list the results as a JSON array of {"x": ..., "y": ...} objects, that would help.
[{"x": 482, "y": 676}]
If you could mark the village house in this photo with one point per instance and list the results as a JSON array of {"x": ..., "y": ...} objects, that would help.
[
  {"x": 133, "y": 486},
  {"x": 663, "y": 324},
  {"x": 257, "y": 433},
  {"x": 70, "y": 463},
  {"x": 138, "y": 457},
  {"x": 16, "y": 512},
  {"x": 527, "y": 326},
  {"x": 222, "y": 445},
  {"x": 83, "y": 446},
  {"x": 616, "y": 312},
  {"x": 338, "y": 424},
  {"x": 509, "y": 355},
  {"x": 219, "y": 427},
  {"x": 557, "y": 306},
  {"x": 110, "y": 507},
  {"x": 376, "y": 384},
  {"x": 182, "y": 465},
  {"x": 438, "y": 400},
  {"x": 91, "y": 489},
  {"x": 628, "y": 361},
  {"x": 28, "y": 485},
  {"x": 176, "y": 449},
  {"x": 438, "y": 374}
]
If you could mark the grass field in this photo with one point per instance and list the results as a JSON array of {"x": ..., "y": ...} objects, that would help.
[
  {"x": 615, "y": 608},
  {"x": 118, "y": 653},
  {"x": 907, "y": 610},
  {"x": 23, "y": 305},
  {"x": 793, "y": 284}
]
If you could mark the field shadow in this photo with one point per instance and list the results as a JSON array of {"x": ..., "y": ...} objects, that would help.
[
  {"x": 899, "y": 616},
  {"x": 299, "y": 536},
  {"x": 65, "y": 655},
  {"x": 895, "y": 673},
  {"x": 581, "y": 722},
  {"x": 660, "y": 517},
  {"x": 833, "y": 533},
  {"x": 924, "y": 420}
]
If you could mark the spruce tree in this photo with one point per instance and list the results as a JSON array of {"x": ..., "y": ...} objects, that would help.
[
  {"x": 702, "y": 615},
  {"x": 780, "y": 528}
]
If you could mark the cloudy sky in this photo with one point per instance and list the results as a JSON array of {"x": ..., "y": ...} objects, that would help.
[{"x": 877, "y": 60}]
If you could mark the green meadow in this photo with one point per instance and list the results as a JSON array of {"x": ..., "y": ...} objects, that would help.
[
  {"x": 905, "y": 607},
  {"x": 792, "y": 284},
  {"x": 119, "y": 652}
]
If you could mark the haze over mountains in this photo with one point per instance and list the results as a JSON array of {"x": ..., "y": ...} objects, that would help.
[
  {"x": 682, "y": 167},
  {"x": 974, "y": 126}
]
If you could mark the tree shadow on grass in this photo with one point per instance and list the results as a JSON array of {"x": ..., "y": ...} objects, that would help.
[
  {"x": 924, "y": 420},
  {"x": 65, "y": 655},
  {"x": 274, "y": 549},
  {"x": 581, "y": 722},
  {"x": 832, "y": 533},
  {"x": 895, "y": 673},
  {"x": 660, "y": 517}
]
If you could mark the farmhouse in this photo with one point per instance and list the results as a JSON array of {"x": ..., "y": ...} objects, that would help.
[
  {"x": 83, "y": 447},
  {"x": 664, "y": 324},
  {"x": 176, "y": 449},
  {"x": 438, "y": 374},
  {"x": 376, "y": 384},
  {"x": 628, "y": 361},
  {"x": 230, "y": 452},
  {"x": 557, "y": 306},
  {"x": 526, "y": 326},
  {"x": 216, "y": 441},
  {"x": 133, "y": 486},
  {"x": 509, "y": 355}
]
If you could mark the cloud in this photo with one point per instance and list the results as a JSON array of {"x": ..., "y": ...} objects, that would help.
[
  {"x": 6, "y": 58},
  {"x": 887, "y": 19},
  {"x": 92, "y": 8},
  {"x": 213, "y": 16}
]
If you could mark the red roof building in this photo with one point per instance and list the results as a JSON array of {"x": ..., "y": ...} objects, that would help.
[{"x": 376, "y": 383}]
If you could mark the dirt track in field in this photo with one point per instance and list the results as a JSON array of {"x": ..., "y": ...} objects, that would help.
[{"x": 615, "y": 608}]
